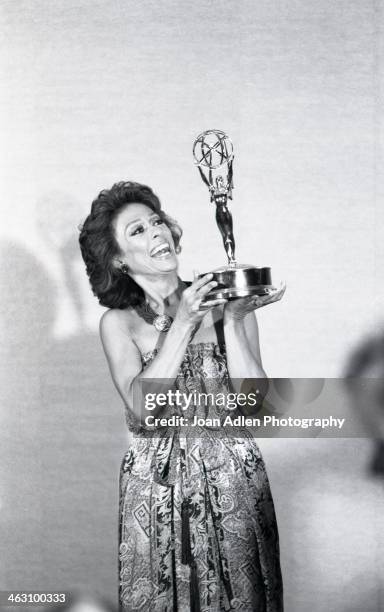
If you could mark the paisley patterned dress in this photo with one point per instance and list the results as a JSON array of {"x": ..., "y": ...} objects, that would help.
[{"x": 198, "y": 530}]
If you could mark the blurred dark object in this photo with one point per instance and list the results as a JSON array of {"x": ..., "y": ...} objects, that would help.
[
  {"x": 377, "y": 463},
  {"x": 367, "y": 362}
]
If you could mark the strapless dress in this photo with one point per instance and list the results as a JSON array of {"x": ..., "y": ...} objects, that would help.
[{"x": 198, "y": 530}]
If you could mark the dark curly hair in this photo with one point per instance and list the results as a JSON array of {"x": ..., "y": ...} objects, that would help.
[{"x": 99, "y": 246}]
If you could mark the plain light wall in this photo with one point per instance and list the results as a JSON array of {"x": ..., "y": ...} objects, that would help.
[{"x": 94, "y": 92}]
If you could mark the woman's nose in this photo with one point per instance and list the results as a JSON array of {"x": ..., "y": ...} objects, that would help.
[{"x": 155, "y": 231}]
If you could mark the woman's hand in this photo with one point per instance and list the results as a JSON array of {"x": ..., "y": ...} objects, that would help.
[
  {"x": 239, "y": 308},
  {"x": 191, "y": 310}
]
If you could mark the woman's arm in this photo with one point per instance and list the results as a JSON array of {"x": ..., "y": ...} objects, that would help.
[
  {"x": 124, "y": 358},
  {"x": 125, "y": 363},
  {"x": 243, "y": 347},
  {"x": 242, "y": 337}
]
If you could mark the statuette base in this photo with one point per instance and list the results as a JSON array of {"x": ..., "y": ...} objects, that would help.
[{"x": 235, "y": 281}]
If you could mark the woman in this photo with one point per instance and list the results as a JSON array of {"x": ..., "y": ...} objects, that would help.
[{"x": 197, "y": 524}]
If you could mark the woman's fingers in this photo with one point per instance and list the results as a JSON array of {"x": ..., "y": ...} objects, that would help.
[
  {"x": 203, "y": 291},
  {"x": 282, "y": 288},
  {"x": 258, "y": 301},
  {"x": 273, "y": 295},
  {"x": 208, "y": 304},
  {"x": 277, "y": 295},
  {"x": 200, "y": 306},
  {"x": 198, "y": 283}
]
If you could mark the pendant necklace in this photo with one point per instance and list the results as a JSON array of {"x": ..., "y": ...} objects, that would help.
[{"x": 161, "y": 322}]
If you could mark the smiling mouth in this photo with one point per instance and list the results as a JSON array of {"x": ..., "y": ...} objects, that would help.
[{"x": 161, "y": 250}]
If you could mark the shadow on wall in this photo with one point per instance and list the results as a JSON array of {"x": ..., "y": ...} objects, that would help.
[
  {"x": 63, "y": 437},
  {"x": 58, "y": 218}
]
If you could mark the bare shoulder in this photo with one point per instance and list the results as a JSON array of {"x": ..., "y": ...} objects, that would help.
[
  {"x": 120, "y": 350},
  {"x": 115, "y": 331},
  {"x": 115, "y": 321}
]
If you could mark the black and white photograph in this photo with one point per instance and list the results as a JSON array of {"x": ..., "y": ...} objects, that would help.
[{"x": 192, "y": 346}]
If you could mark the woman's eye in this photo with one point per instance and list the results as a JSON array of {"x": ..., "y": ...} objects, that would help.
[
  {"x": 137, "y": 230},
  {"x": 158, "y": 222}
]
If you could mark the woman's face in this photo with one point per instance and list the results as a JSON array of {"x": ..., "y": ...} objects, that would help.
[{"x": 145, "y": 241}]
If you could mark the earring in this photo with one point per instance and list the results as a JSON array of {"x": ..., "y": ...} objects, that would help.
[
  {"x": 124, "y": 269},
  {"x": 178, "y": 249}
]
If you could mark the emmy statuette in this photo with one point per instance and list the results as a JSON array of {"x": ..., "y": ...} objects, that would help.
[{"x": 213, "y": 155}]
